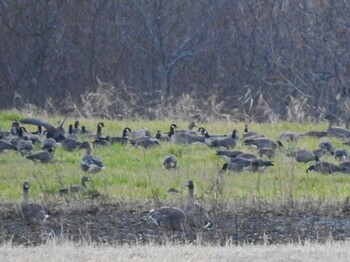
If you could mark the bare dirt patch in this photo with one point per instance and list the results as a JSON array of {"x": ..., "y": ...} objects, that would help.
[{"x": 127, "y": 223}]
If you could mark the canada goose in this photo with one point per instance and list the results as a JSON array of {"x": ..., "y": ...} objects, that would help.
[
  {"x": 237, "y": 164},
  {"x": 33, "y": 214},
  {"x": 197, "y": 216},
  {"x": 341, "y": 154},
  {"x": 146, "y": 142},
  {"x": 42, "y": 156},
  {"x": 269, "y": 152},
  {"x": 58, "y": 133},
  {"x": 90, "y": 163},
  {"x": 303, "y": 156},
  {"x": 202, "y": 131},
  {"x": 162, "y": 137},
  {"x": 84, "y": 131},
  {"x": 14, "y": 128},
  {"x": 247, "y": 156},
  {"x": 170, "y": 162},
  {"x": 100, "y": 125},
  {"x": 325, "y": 168},
  {"x": 5, "y": 146},
  {"x": 247, "y": 133},
  {"x": 346, "y": 166},
  {"x": 15, "y": 139},
  {"x": 289, "y": 136},
  {"x": 227, "y": 142},
  {"x": 28, "y": 136},
  {"x": 182, "y": 138},
  {"x": 139, "y": 133},
  {"x": 76, "y": 127},
  {"x": 170, "y": 218},
  {"x": 327, "y": 146},
  {"x": 24, "y": 146},
  {"x": 263, "y": 143},
  {"x": 338, "y": 132},
  {"x": 320, "y": 152},
  {"x": 260, "y": 164},
  {"x": 120, "y": 140},
  {"x": 227, "y": 154},
  {"x": 312, "y": 133},
  {"x": 189, "y": 131},
  {"x": 80, "y": 188},
  {"x": 48, "y": 143},
  {"x": 70, "y": 144},
  {"x": 71, "y": 134}
]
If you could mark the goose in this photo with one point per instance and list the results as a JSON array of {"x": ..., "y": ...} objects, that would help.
[
  {"x": 33, "y": 214},
  {"x": 263, "y": 143},
  {"x": 120, "y": 140},
  {"x": 162, "y": 137},
  {"x": 84, "y": 131},
  {"x": 237, "y": 165},
  {"x": 327, "y": 146},
  {"x": 5, "y": 146},
  {"x": 312, "y": 133},
  {"x": 260, "y": 164},
  {"x": 99, "y": 127},
  {"x": 182, "y": 138},
  {"x": 14, "y": 128},
  {"x": 303, "y": 155},
  {"x": 139, "y": 133},
  {"x": 202, "y": 131},
  {"x": 170, "y": 162},
  {"x": 48, "y": 143},
  {"x": 100, "y": 140},
  {"x": 190, "y": 130},
  {"x": 247, "y": 133},
  {"x": 170, "y": 218},
  {"x": 58, "y": 133},
  {"x": 228, "y": 142},
  {"x": 338, "y": 132},
  {"x": 80, "y": 188},
  {"x": 70, "y": 144},
  {"x": 268, "y": 152},
  {"x": 341, "y": 154},
  {"x": 325, "y": 167},
  {"x": 197, "y": 216},
  {"x": 76, "y": 127},
  {"x": 90, "y": 163},
  {"x": 25, "y": 146},
  {"x": 346, "y": 166},
  {"x": 71, "y": 133},
  {"x": 228, "y": 154},
  {"x": 289, "y": 136},
  {"x": 42, "y": 156},
  {"x": 146, "y": 142}
]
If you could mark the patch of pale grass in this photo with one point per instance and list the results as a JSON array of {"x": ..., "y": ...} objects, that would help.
[{"x": 69, "y": 251}]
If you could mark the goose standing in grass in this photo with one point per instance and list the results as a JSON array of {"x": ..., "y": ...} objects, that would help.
[
  {"x": 100, "y": 140},
  {"x": 197, "y": 216},
  {"x": 170, "y": 162},
  {"x": 90, "y": 163},
  {"x": 80, "y": 188},
  {"x": 120, "y": 140},
  {"x": 42, "y": 156},
  {"x": 183, "y": 138},
  {"x": 33, "y": 214},
  {"x": 170, "y": 218},
  {"x": 227, "y": 142}
]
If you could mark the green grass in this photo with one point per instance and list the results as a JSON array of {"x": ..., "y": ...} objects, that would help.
[{"x": 134, "y": 173}]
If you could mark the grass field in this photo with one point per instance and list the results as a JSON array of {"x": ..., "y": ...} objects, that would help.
[{"x": 136, "y": 173}]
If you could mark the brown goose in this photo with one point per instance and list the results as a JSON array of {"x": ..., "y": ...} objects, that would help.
[
  {"x": 33, "y": 214},
  {"x": 170, "y": 218},
  {"x": 197, "y": 216},
  {"x": 90, "y": 163},
  {"x": 80, "y": 188}
]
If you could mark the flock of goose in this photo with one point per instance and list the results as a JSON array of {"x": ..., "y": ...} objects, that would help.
[{"x": 192, "y": 215}]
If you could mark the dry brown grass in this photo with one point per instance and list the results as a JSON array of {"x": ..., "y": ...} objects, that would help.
[{"x": 68, "y": 251}]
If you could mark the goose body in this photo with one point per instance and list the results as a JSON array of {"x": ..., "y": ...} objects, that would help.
[
  {"x": 90, "y": 163},
  {"x": 197, "y": 216},
  {"x": 42, "y": 156},
  {"x": 25, "y": 146},
  {"x": 5, "y": 146},
  {"x": 170, "y": 218},
  {"x": 170, "y": 162},
  {"x": 227, "y": 142},
  {"x": 262, "y": 143},
  {"x": 183, "y": 138},
  {"x": 325, "y": 168},
  {"x": 33, "y": 214}
]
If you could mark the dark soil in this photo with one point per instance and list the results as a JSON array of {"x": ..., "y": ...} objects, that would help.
[{"x": 128, "y": 223}]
